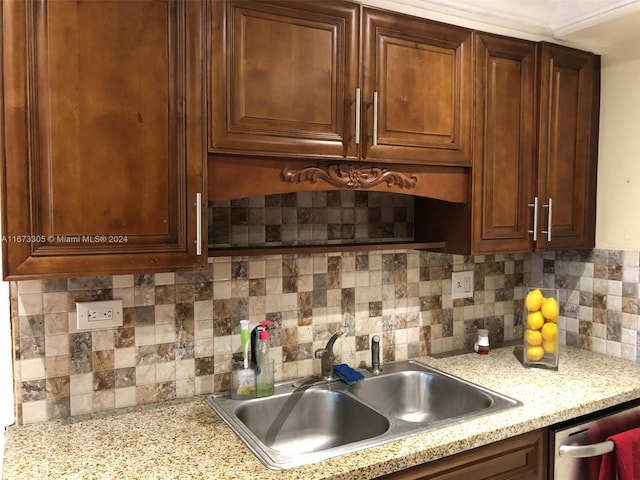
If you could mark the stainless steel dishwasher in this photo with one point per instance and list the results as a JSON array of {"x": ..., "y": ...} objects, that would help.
[{"x": 576, "y": 446}]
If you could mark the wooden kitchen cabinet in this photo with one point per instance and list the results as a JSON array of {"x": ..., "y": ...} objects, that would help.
[
  {"x": 535, "y": 155},
  {"x": 517, "y": 458},
  {"x": 283, "y": 78},
  {"x": 417, "y": 90},
  {"x": 504, "y": 149},
  {"x": 104, "y": 152},
  {"x": 567, "y": 147}
]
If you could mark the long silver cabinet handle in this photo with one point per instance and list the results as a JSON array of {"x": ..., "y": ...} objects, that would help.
[
  {"x": 586, "y": 451},
  {"x": 198, "y": 205},
  {"x": 375, "y": 118},
  {"x": 549, "y": 217},
  {"x": 535, "y": 219},
  {"x": 357, "y": 116}
]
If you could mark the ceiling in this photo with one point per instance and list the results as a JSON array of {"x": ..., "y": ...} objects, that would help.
[{"x": 590, "y": 24}]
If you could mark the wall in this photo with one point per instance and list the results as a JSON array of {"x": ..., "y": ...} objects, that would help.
[{"x": 619, "y": 152}]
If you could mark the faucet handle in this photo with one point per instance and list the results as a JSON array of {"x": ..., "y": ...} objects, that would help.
[{"x": 319, "y": 353}]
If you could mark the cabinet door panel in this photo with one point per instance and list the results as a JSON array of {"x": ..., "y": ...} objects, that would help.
[
  {"x": 568, "y": 92},
  {"x": 503, "y": 168},
  {"x": 517, "y": 458},
  {"x": 288, "y": 72},
  {"x": 105, "y": 148},
  {"x": 421, "y": 72}
]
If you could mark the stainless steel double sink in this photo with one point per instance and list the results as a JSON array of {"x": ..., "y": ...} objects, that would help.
[{"x": 302, "y": 424}]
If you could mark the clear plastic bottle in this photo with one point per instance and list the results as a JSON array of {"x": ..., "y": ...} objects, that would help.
[{"x": 263, "y": 363}]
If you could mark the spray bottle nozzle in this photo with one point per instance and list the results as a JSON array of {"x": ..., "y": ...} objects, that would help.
[{"x": 264, "y": 329}]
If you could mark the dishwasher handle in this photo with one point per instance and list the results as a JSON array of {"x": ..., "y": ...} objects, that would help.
[{"x": 586, "y": 451}]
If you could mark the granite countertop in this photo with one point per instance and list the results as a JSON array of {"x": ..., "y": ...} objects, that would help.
[{"x": 186, "y": 439}]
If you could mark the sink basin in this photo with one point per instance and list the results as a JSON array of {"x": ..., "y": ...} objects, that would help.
[
  {"x": 304, "y": 424},
  {"x": 310, "y": 421},
  {"x": 417, "y": 396}
]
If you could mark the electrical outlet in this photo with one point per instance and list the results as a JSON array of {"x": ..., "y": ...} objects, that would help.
[
  {"x": 96, "y": 315},
  {"x": 462, "y": 284}
]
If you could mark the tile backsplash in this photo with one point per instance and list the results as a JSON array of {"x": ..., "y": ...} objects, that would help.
[
  {"x": 181, "y": 331},
  {"x": 311, "y": 218},
  {"x": 598, "y": 298}
]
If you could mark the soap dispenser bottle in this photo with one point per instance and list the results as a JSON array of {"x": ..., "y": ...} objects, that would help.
[{"x": 263, "y": 364}]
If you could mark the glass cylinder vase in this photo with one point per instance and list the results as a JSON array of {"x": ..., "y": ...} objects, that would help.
[{"x": 541, "y": 328}]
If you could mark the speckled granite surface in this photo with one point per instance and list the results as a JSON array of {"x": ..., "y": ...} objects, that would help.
[{"x": 185, "y": 439}]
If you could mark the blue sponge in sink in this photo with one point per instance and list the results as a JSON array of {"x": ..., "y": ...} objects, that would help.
[{"x": 347, "y": 374}]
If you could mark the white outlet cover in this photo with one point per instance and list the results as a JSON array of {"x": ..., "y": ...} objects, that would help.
[
  {"x": 462, "y": 284},
  {"x": 104, "y": 310}
]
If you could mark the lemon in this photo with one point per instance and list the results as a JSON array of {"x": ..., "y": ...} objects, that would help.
[
  {"x": 550, "y": 346},
  {"x": 535, "y": 353},
  {"x": 533, "y": 337},
  {"x": 535, "y": 320},
  {"x": 549, "y": 331},
  {"x": 549, "y": 309},
  {"x": 533, "y": 300}
]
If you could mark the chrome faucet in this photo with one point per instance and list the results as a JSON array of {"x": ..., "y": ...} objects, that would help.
[
  {"x": 327, "y": 357},
  {"x": 375, "y": 355}
]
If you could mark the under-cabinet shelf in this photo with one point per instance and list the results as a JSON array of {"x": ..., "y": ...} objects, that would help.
[{"x": 307, "y": 249}]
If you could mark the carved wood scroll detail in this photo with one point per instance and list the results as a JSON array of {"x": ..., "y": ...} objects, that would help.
[{"x": 349, "y": 176}]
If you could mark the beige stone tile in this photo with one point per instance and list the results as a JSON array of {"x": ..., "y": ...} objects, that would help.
[
  {"x": 104, "y": 400},
  {"x": 204, "y": 348},
  {"x": 348, "y": 279},
  {"x": 224, "y": 345},
  {"x": 145, "y": 374},
  {"x": 185, "y": 369},
  {"x": 165, "y": 278},
  {"x": 32, "y": 369},
  {"x": 165, "y": 314},
  {"x": 81, "y": 384},
  {"x": 145, "y": 335},
  {"x": 30, "y": 304},
  {"x": 165, "y": 372},
  {"x": 203, "y": 384},
  {"x": 122, "y": 281},
  {"x": 257, "y": 268},
  {"x": 125, "y": 397},
  {"x": 57, "y": 366},
  {"x": 258, "y": 306},
  {"x": 33, "y": 412},
  {"x": 124, "y": 357},
  {"x": 185, "y": 388},
  {"x": 56, "y": 324},
  {"x": 29, "y": 286},
  {"x": 102, "y": 339},
  {"x": 54, "y": 302},
  {"x": 56, "y": 345}
]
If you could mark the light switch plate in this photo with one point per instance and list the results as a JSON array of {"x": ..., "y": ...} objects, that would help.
[
  {"x": 96, "y": 315},
  {"x": 462, "y": 284}
]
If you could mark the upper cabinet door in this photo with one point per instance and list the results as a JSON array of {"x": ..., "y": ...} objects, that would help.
[
  {"x": 284, "y": 77},
  {"x": 504, "y": 147},
  {"x": 567, "y": 147},
  {"x": 417, "y": 86},
  {"x": 104, "y": 150}
]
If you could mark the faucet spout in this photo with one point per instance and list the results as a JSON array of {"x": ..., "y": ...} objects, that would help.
[{"x": 327, "y": 357}]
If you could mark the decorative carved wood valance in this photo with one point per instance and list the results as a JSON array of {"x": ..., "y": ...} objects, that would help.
[{"x": 349, "y": 176}]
